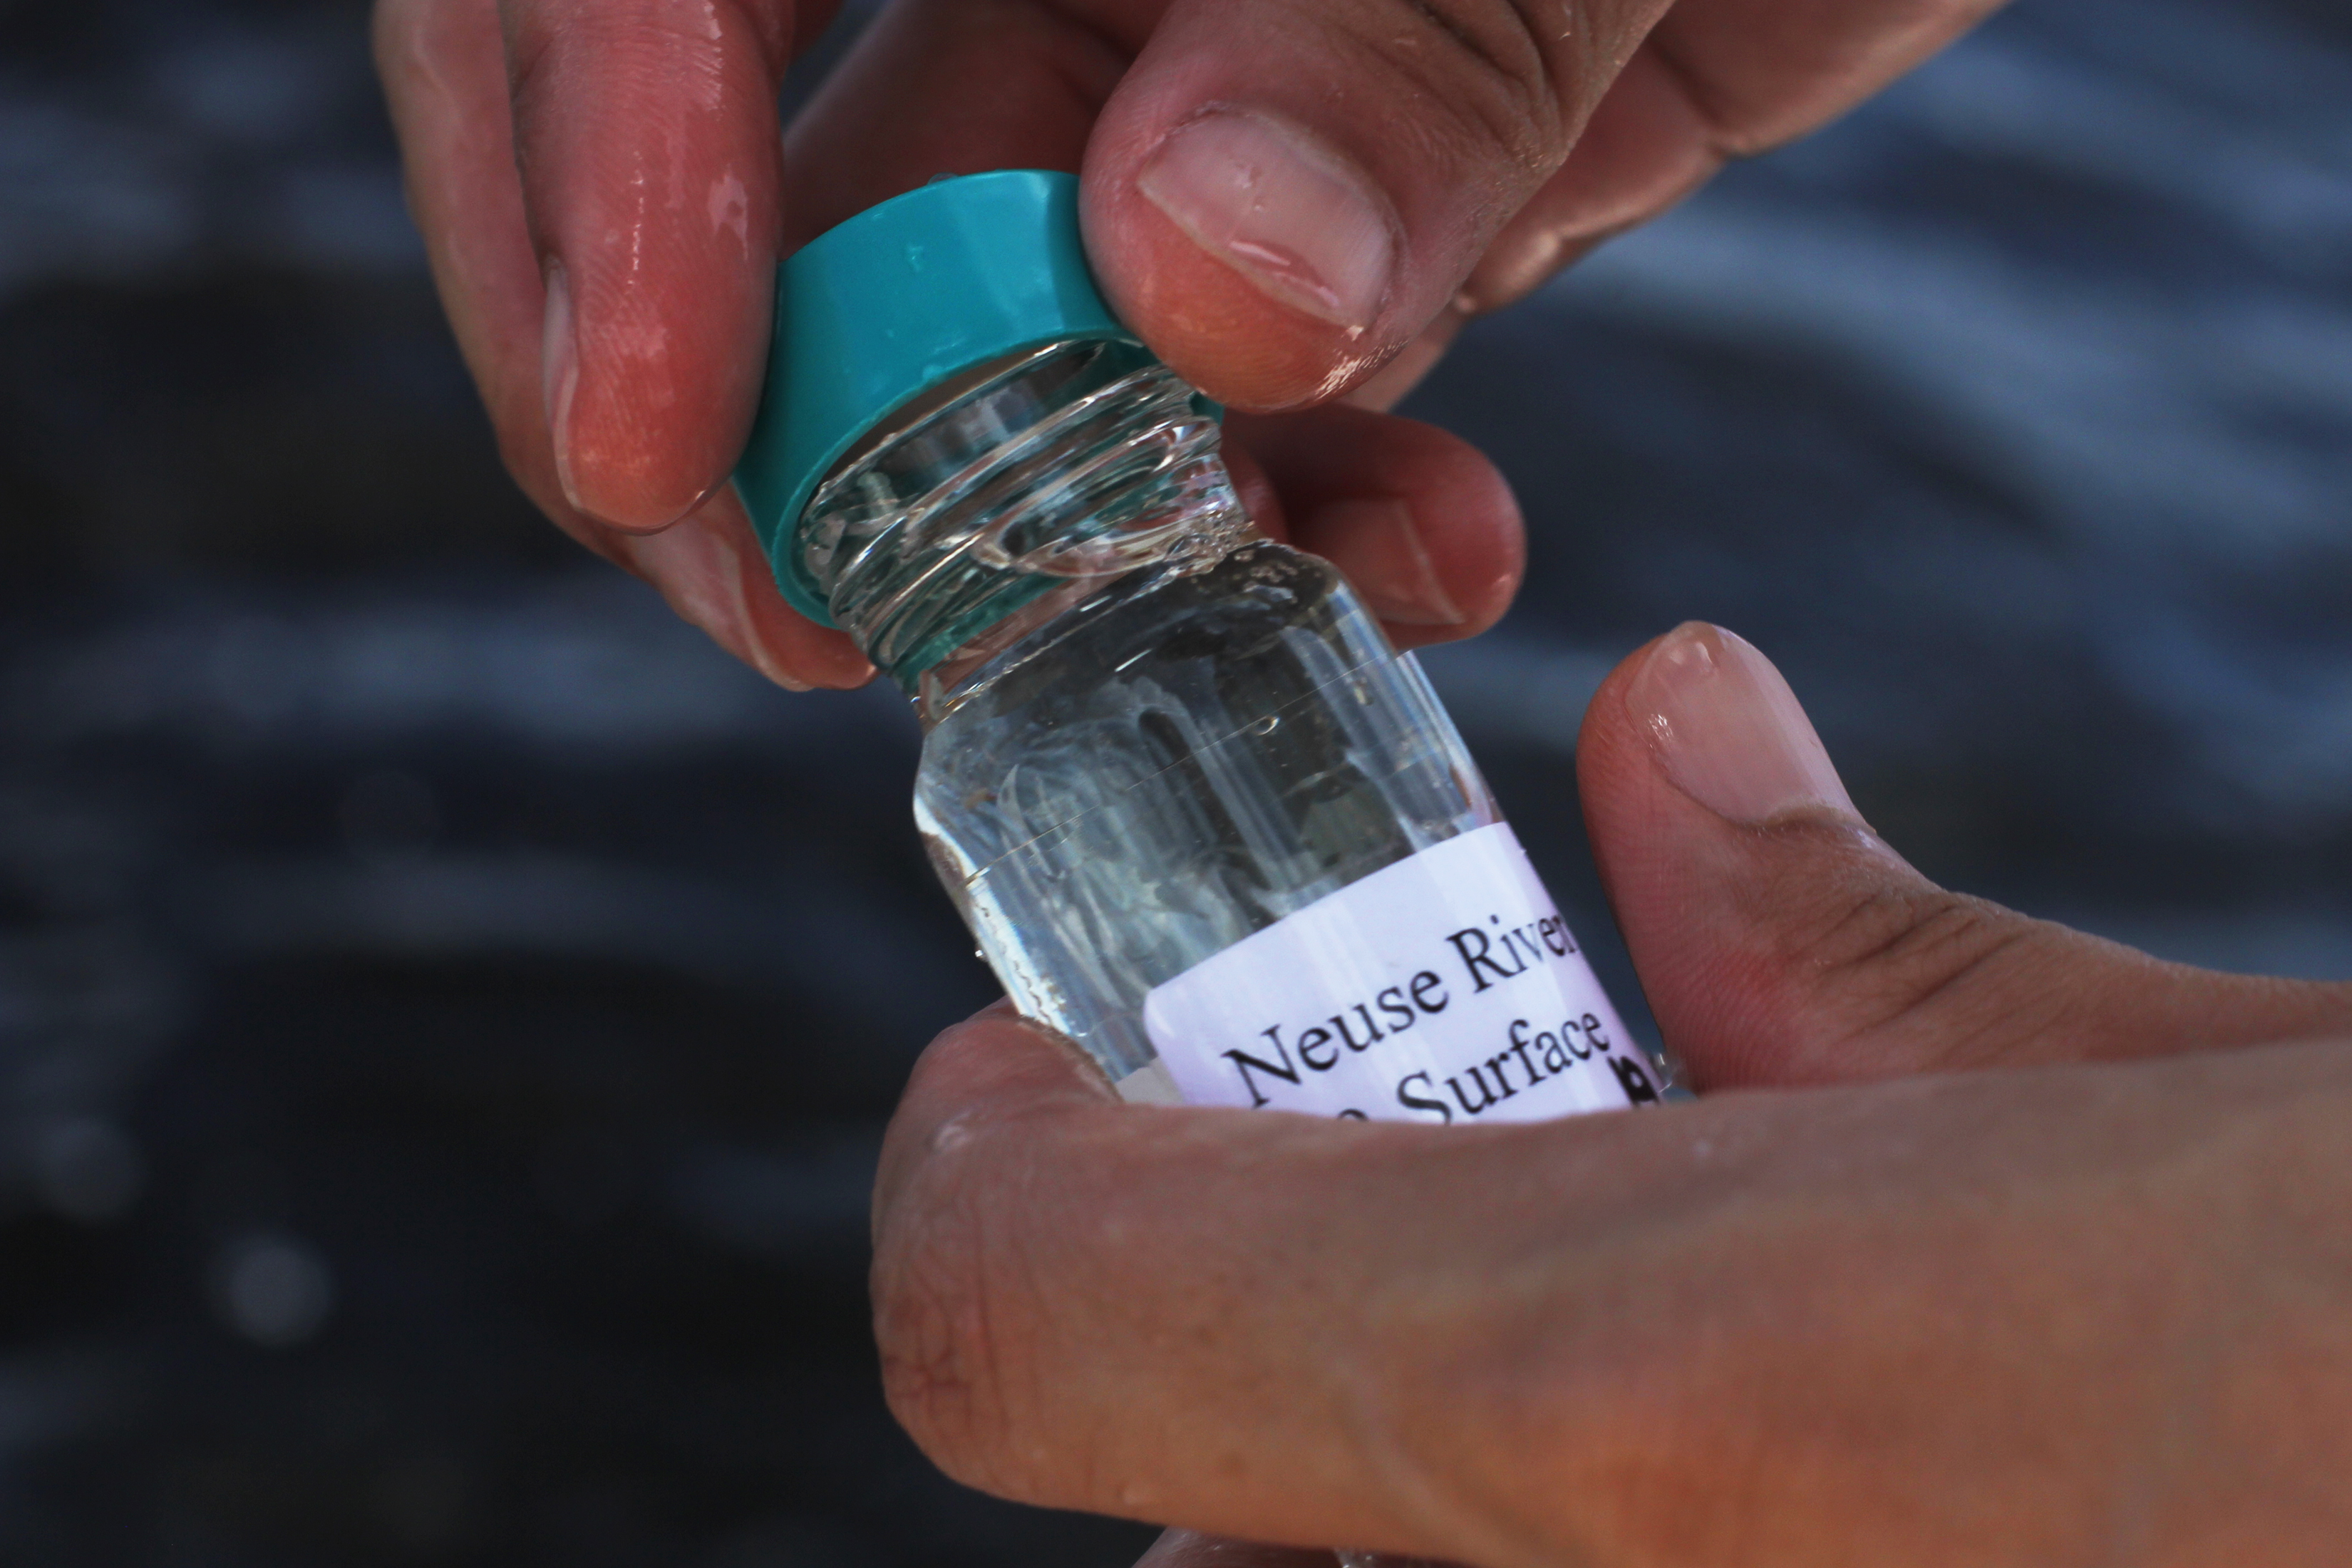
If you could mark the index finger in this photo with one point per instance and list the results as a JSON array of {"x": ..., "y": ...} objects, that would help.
[
  {"x": 646, "y": 136},
  {"x": 596, "y": 181},
  {"x": 1217, "y": 1318},
  {"x": 1892, "y": 1323},
  {"x": 555, "y": 300}
]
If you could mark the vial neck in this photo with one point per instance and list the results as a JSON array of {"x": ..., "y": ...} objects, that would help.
[{"x": 970, "y": 521}]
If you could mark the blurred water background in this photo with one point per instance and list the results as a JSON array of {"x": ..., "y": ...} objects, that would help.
[{"x": 447, "y": 1011}]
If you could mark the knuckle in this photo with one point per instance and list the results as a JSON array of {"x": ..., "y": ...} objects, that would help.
[
  {"x": 943, "y": 1359},
  {"x": 1497, "y": 67},
  {"x": 1883, "y": 956}
]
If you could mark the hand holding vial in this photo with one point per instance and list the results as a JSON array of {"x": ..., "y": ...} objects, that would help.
[
  {"x": 1987, "y": 1243},
  {"x": 1292, "y": 201}
]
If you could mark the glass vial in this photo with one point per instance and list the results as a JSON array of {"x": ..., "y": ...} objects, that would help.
[{"x": 1198, "y": 815}]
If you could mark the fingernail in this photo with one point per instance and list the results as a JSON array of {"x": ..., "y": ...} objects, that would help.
[
  {"x": 559, "y": 369},
  {"x": 1269, "y": 199},
  {"x": 1375, "y": 544},
  {"x": 1727, "y": 730}
]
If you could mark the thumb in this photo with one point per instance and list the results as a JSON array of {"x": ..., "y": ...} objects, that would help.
[
  {"x": 1281, "y": 195},
  {"x": 1782, "y": 941}
]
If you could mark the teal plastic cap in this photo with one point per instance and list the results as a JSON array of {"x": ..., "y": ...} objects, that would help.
[{"x": 902, "y": 297}]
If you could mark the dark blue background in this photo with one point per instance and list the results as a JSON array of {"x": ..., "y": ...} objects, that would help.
[{"x": 446, "y": 1010}]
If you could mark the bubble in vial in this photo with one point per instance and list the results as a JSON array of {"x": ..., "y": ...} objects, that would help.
[
  {"x": 275, "y": 1290},
  {"x": 88, "y": 1170}
]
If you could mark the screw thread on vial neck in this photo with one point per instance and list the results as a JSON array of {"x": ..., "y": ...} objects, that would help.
[{"x": 1062, "y": 469}]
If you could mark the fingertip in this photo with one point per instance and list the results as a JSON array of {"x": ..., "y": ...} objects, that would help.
[
  {"x": 1724, "y": 840},
  {"x": 648, "y": 139},
  {"x": 997, "y": 1063},
  {"x": 711, "y": 570},
  {"x": 799, "y": 655},
  {"x": 650, "y": 388},
  {"x": 1255, "y": 489},
  {"x": 1253, "y": 250},
  {"x": 1610, "y": 745},
  {"x": 1724, "y": 726},
  {"x": 993, "y": 1067},
  {"x": 1695, "y": 740},
  {"x": 1280, "y": 197},
  {"x": 1208, "y": 322},
  {"x": 1420, "y": 522}
]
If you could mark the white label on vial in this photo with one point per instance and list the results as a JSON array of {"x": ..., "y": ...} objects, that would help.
[{"x": 1444, "y": 987}]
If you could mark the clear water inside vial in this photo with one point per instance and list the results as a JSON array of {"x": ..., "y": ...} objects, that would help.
[
  {"x": 1157, "y": 733},
  {"x": 1171, "y": 765}
]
